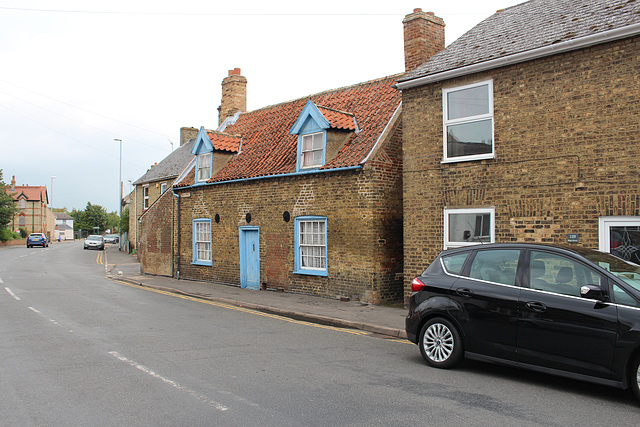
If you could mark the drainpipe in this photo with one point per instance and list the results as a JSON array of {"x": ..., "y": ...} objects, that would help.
[{"x": 175, "y": 272}]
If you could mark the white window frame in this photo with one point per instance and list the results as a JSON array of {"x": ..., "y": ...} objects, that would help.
[
  {"x": 202, "y": 246},
  {"x": 145, "y": 197},
  {"x": 204, "y": 166},
  {"x": 302, "y": 151},
  {"x": 300, "y": 267},
  {"x": 604, "y": 226},
  {"x": 465, "y": 120},
  {"x": 163, "y": 187},
  {"x": 448, "y": 244}
]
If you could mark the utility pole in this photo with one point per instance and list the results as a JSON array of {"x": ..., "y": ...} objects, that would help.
[{"x": 120, "y": 200}]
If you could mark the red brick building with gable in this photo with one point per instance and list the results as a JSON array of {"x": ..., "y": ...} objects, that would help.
[{"x": 34, "y": 213}]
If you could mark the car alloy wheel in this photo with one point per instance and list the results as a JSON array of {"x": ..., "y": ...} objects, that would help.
[
  {"x": 440, "y": 343},
  {"x": 634, "y": 377}
]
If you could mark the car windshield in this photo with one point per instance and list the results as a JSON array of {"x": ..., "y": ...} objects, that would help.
[
  {"x": 625, "y": 270},
  {"x": 94, "y": 238}
]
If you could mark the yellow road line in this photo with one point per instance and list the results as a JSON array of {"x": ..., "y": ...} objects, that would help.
[
  {"x": 245, "y": 310},
  {"x": 99, "y": 258}
]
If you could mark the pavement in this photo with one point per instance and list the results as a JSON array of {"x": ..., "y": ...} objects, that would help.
[{"x": 383, "y": 320}]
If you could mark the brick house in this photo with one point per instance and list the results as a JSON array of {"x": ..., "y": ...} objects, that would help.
[
  {"x": 34, "y": 213},
  {"x": 526, "y": 128},
  {"x": 302, "y": 196}
]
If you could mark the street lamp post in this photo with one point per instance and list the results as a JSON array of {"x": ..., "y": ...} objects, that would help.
[
  {"x": 120, "y": 201},
  {"x": 53, "y": 216}
]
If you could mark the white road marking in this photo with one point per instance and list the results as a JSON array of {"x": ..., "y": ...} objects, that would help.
[
  {"x": 1, "y": 280},
  {"x": 11, "y": 293},
  {"x": 174, "y": 384},
  {"x": 54, "y": 321}
]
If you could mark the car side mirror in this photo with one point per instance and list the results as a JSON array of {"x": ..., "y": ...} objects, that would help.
[{"x": 593, "y": 292}]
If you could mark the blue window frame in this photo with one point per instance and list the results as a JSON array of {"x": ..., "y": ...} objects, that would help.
[
  {"x": 311, "y": 150},
  {"x": 203, "y": 167},
  {"x": 202, "y": 241},
  {"x": 311, "y": 245}
]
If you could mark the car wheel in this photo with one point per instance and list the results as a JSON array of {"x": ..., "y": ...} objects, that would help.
[
  {"x": 440, "y": 343},
  {"x": 634, "y": 376}
]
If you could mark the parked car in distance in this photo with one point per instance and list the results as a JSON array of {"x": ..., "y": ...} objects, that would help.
[
  {"x": 111, "y": 238},
  {"x": 37, "y": 239},
  {"x": 562, "y": 310},
  {"x": 94, "y": 241}
]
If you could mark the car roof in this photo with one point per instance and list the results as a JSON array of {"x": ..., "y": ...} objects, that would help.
[{"x": 576, "y": 249}]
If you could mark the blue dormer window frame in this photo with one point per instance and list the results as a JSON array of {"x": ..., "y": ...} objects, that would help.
[
  {"x": 203, "y": 150},
  {"x": 311, "y": 128}
]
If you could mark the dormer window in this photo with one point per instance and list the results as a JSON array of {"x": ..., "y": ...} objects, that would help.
[
  {"x": 204, "y": 166},
  {"x": 312, "y": 150}
]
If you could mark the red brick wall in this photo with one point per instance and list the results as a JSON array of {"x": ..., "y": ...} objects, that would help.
[{"x": 156, "y": 237}]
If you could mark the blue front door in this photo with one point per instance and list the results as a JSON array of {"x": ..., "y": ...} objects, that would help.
[{"x": 250, "y": 257}]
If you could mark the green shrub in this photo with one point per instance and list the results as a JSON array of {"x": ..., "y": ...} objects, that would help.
[
  {"x": 5, "y": 234},
  {"x": 23, "y": 232}
]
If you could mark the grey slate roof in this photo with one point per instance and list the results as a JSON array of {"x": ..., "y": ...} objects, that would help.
[
  {"x": 527, "y": 26},
  {"x": 170, "y": 167},
  {"x": 63, "y": 216}
]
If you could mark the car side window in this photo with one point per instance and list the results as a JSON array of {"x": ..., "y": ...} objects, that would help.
[
  {"x": 622, "y": 297},
  {"x": 454, "y": 263},
  {"x": 557, "y": 273},
  {"x": 495, "y": 265}
]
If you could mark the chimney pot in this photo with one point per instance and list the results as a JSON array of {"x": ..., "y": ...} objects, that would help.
[
  {"x": 234, "y": 72},
  {"x": 417, "y": 9}
]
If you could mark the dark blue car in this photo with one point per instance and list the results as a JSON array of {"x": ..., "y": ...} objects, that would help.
[{"x": 37, "y": 239}]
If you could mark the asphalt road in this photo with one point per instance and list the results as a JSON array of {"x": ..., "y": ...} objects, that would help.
[{"x": 79, "y": 349}]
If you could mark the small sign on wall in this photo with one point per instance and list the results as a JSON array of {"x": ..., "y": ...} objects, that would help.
[{"x": 573, "y": 238}]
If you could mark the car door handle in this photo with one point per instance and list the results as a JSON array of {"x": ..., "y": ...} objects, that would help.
[
  {"x": 536, "y": 306},
  {"x": 464, "y": 292}
]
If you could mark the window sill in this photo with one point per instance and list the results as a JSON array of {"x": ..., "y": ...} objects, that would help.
[
  {"x": 468, "y": 158},
  {"x": 312, "y": 272},
  {"x": 207, "y": 263}
]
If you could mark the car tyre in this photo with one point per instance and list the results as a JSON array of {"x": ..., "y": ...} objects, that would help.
[
  {"x": 441, "y": 343},
  {"x": 634, "y": 376}
]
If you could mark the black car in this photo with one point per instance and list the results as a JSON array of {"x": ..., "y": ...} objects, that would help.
[{"x": 567, "y": 311}]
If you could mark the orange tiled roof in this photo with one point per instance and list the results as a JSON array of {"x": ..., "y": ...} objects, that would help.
[
  {"x": 338, "y": 119},
  {"x": 268, "y": 148},
  {"x": 224, "y": 141},
  {"x": 31, "y": 193}
]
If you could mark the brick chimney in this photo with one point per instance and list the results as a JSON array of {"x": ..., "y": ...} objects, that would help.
[
  {"x": 234, "y": 95},
  {"x": 423, "y": 37},
  {"x": 13, "y": 184},
  {"x": 186, "y": 134}
]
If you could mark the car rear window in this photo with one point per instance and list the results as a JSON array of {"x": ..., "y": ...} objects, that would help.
[{"x": 453, "y": 263}]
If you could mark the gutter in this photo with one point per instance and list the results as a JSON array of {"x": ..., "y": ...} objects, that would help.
[
  {"x": 284, "y": 175},
  {"x": 567, "y": 46}
]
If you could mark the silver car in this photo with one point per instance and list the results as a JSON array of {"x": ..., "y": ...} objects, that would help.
[{"x": 94, "y": 241}]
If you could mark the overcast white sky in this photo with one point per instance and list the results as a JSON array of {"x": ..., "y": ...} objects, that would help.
[{"x": 74, "y": 75}]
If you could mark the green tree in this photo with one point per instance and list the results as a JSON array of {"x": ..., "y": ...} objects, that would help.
[
  {"x": 91, "y": 217},
  {"x": 7, "y": 206},
  {"x": 124, "y": 220},
  {"x": 113, "y": 222}
]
